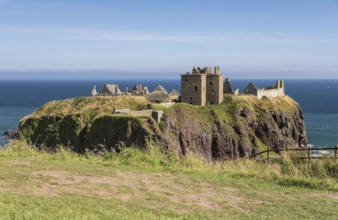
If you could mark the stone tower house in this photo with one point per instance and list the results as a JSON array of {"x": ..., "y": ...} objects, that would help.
[{"x": 202, "y": 87}]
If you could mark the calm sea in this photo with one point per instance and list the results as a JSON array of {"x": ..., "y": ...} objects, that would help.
[{"x": 318, "y": 98}]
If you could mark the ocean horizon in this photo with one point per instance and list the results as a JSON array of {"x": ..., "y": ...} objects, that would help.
[{"x": 317, "y": 97}]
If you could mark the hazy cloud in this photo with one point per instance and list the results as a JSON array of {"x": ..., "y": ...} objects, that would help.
[
  {"x": 95, "y": 34},
  {"x": 109, "y": 35}
]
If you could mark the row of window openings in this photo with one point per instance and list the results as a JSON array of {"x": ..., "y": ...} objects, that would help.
[
  {"x": 186, "y": 79},
  {"x": 196, "y": 88},
  {"x": 213, "y": 91}
]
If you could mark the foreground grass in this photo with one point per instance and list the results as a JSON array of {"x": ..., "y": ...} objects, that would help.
[{"x": 150, "y": 185}]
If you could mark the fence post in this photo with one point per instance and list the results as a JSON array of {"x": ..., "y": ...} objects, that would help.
[
  {"x": 309, "y": 152},
  {"x": 335, "y": 152}
]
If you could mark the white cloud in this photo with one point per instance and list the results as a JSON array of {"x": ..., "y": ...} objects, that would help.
[
  {"x": 54, "y": 4},
  {"x": 95, "y": 34},
  {"x": 194, "y": 38}
]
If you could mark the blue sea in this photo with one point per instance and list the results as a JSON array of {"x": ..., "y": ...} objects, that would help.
[{"x": 318, "y": 98}]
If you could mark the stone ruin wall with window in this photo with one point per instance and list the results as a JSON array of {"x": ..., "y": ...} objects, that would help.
[
  {"x": 193, "y": 89},
  {"x": 270, "y": 91},
  {"x": 202, "y": 87},
  {"x": 214, "y": 87}
]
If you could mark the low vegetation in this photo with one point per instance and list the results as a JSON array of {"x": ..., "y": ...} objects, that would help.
[
  {"x": 104, "y": 105},
  {"x": 96, "y": 105},
  {"x": 135, "y": 184}
]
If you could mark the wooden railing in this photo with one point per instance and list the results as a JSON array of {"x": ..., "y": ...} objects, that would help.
[{"x": 308, "y": 150}]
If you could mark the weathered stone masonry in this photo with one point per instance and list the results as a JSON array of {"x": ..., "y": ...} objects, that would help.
[
  {"x": 270, "y": 91},
  {"x": 201, "y": 87}
]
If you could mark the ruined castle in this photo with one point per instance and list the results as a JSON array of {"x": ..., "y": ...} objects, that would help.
[
  {"x": 201, "y": 86},
  {"x": 159, "y": 95},
  {"x": 270, "y": 91}
]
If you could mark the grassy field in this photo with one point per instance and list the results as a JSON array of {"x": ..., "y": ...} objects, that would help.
[{"x": 150, "y": 185}]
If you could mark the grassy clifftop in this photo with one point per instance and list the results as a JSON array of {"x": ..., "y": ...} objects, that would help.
[
  {"x": 95, "y": 105},
  {"x": 232, "y": 104},
  {"x": 237, "y": 127},
  {"x": 104, "y": 105},
  {"x": 67, "y": 122}
]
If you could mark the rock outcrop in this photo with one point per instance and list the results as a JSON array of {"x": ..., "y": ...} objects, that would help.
[
  {"x": 239, "y": 127},
  {"x": 11, "y": 135}
]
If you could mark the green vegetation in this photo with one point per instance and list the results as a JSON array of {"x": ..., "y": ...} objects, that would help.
[
  {"x": 96, "y": 105},
  {"x": 67, "y": 122},
  {"x": 231, "y": 105},
  {"x": 135, "y": 184},
  {"x": 240, "y": 126}
]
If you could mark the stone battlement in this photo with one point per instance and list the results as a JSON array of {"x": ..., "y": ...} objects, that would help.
[{"x": 205, "y": 70}]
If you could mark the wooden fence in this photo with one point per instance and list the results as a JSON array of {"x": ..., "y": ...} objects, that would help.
[{"x": 308, "y": 151}]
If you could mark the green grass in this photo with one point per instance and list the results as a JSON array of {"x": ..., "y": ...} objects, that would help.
[
  {"x": 150, "y": 185},
  {"x": 91, "y": 105}
]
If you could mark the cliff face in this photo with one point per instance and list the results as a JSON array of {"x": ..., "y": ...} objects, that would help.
[
  {"x": 237, "y": 128},
  {"x": 240, "y": 127}
]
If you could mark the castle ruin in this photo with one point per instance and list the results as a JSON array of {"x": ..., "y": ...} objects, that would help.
[
  {"x": 201, "y": 86},
  {"x": 227, "y": 88},
  {"x": 111, "y": 89},
  {"x": 159, "y": 95},
  {"x": 270, "y": 91}
]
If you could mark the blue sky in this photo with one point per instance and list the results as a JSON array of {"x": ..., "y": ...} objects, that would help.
[{"x": 129, "y": 38}]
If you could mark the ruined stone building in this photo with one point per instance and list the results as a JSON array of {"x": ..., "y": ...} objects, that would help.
[
  {"x": 160, "y": 88},
  {"x": 159, "y": 95},
  {"x": 111, "y": 89},
  {"x": 227, "y": 88},
  {"x": 270, "y": 91},
  {"x": 202, "y": 87},
  {"x": 138, "y": 89},
  {"x": 174, "y": 92},
  {"x": 94, "y": 92}
]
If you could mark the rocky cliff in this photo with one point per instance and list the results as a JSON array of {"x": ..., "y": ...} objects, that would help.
[{"x": 239, "y": 127}]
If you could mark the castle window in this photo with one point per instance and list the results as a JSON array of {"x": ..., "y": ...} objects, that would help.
[
  {"x": 195, "y": 88},
  {"x": 186, "y": 79},
  {"x": 190, "y": 98},
  {"x": 211, "y": 83}
]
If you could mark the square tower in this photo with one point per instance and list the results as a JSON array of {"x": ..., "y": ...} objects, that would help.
[
  {"x": 193, "y": 89},
  {"x": 202, "y": 87},
  {"x": 214, "y": 86}
]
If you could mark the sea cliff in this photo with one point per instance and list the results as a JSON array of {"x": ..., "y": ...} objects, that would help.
[{"x": 239, "y": 127}]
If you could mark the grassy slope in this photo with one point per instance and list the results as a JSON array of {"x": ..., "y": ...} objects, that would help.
[
  {"x": 104, "y": 105},
  {"x": 83, "y": 110},
  {"x": 65, "y": 122},
  {"x": 137, "y": 185}
]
